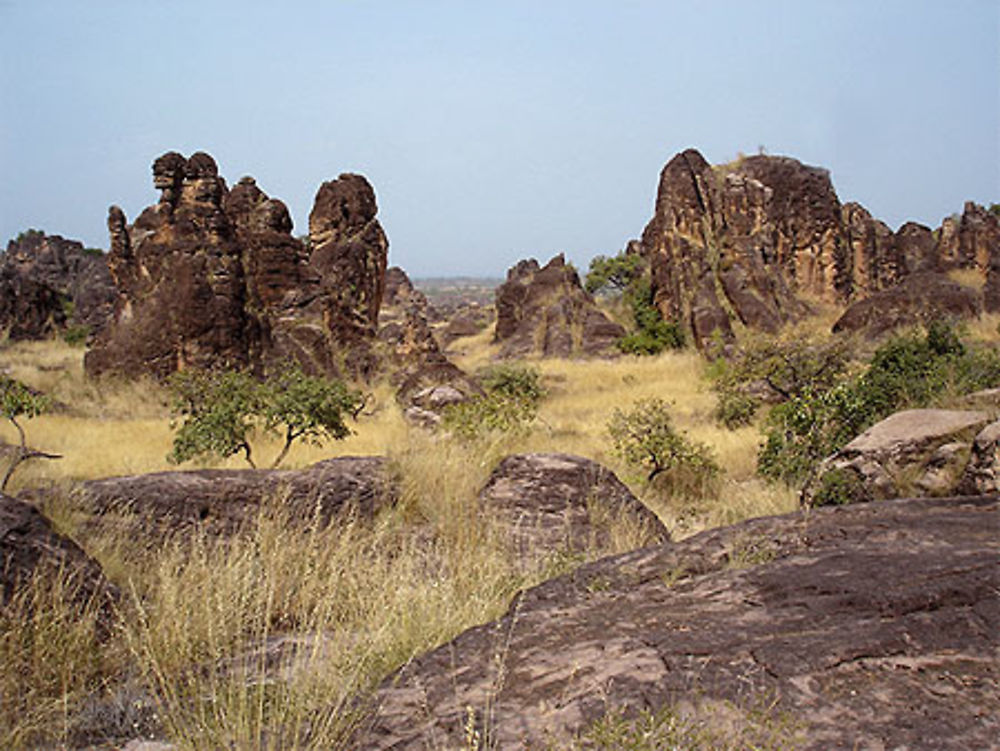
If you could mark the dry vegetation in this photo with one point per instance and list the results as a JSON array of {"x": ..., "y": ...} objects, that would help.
[{"x": 274, "y": 639}]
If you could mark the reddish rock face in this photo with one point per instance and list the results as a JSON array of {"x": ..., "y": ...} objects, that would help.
[
  {"x": 48, "y": 282},
  {"x": 213, "y": 277},
  {"x": 754, "y": 240},
  {"x": 545, "y": 311}
]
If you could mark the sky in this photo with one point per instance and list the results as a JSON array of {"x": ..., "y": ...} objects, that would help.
[{"x": 492, "y": 131}]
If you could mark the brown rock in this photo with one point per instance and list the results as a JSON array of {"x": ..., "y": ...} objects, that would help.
[
  {"x": 919, "y": 298},
  {"x": 213, "y": 278},
  {"x": 48, "y": 282},
  {"x": 873, "y": 259},
  {"x": 809, "y": 611},
  {"x": 916, "y": 452},
  {"x": 220, "y": 501},
  {"x": 982, "y": 472},
  {"x": 29, "y": 546},
  {"x": 545, "y": 311},
  {"x": 561, "y": 504}
]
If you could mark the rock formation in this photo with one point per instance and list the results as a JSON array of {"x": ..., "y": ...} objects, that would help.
[
  {"x": 561, "y": 504},
  {"x": 48, "y": 282},
  {"x": 427, "y": 380},
  {"x": 213, "y": 277},
  {"x": 30, "y": 547},
  {"x": 545, "y": 311},
  {"x": 916, "y": 452},
  {"x": 221, "y": 501},
  {"x": 756, "y": 239},
  {"x": 919, "y": 298},
  {"x": 867, "y": 626}
]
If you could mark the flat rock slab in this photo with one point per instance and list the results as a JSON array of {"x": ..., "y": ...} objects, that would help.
[
  {"x": 220, "y": 501},
  {"x": 914, "y": 428},
  {"x": 560, "y": 503},
  {"x": 873, "y": 626}
]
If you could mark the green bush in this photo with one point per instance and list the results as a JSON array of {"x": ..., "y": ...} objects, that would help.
[
  {"x": 76, "y": 335},
  {"x": 645, "y": 438},
  {"x": 510, "y": 405},
  {"x": 909, "y": 371},
  {"x": 782, "y": 368},
  {"x": 219, "y": 411}
]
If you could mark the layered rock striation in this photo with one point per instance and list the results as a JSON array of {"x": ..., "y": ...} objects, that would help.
[
  {"x": 755, "y": 240},
  {"x": 213, "y": 277}
]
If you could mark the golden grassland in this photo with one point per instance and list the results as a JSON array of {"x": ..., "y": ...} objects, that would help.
[{"x": 274, "y": 639}]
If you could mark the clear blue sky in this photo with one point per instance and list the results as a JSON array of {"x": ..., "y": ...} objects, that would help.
[{"x": 492, "y": 131}]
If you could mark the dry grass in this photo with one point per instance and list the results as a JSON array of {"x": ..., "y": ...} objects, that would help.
[{"x": 271, "y": 640}]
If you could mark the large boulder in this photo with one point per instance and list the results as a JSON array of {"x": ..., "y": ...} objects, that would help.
[
  {"x": 30, "y": 547},
  {"x": 918, "y": 298},
  {"x": 221, "y": 501},
  {"x": 545, "y": 311},
  {"x": 48, "y": 282},
  {"x": 561, "y": 504},
  {"x": 868, "y": 626},
  {"x": 212, "y": 277},
  {"x": 916, "y": 452}
]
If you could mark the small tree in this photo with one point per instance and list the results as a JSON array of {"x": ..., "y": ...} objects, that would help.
[
  {"x": 221, "y": 410},
  {"x": 18, "y": 402},
  {"x": 644, "y": 437},
  {"x": 510, "y": 404}
]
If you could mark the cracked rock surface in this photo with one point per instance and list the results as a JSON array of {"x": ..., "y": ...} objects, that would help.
[{"x": 871, "y": 626}]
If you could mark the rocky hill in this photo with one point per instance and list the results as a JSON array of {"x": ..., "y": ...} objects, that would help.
[{"x": 755, "y": 240}]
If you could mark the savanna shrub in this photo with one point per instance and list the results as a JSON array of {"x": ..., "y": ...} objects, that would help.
[
  {"x": 645, "y": 438},
  {"x": 514, "y": 392},
  {"x": 909, "y": 371}
]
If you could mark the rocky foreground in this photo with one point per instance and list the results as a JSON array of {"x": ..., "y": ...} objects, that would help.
[{"x": 873, "y": 626}]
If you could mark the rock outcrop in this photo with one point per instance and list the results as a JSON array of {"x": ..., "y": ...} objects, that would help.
[
  {"x": 213, "y": 277},
  {"x": 48, "y": 283},
  {"x": 916, "y": 452},
  {"x": 755, "y": 240},
  {"x": 558, "y": 504},
  {"x": 221, "y": 501},
  {"x": 545, "y": 311},
  {"x": 30, "y": 547},
  {"x": 427, "y": 381},
  {"x": 919, "y": 299},
  {"x": 867, "y": 626}
]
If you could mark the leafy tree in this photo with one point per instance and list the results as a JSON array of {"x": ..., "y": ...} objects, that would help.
[
  {"x": 770, "y": 368},
  {"x": 513, "y": 393},
  {"x": 17, "y": 403},
  {"x": 628, "y": 274},
  {"x": 645, "y": 438},
  {"x": 616, "y": 273},
  {"x": 221, "y": 410}
]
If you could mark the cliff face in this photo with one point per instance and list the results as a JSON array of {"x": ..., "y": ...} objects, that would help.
[
  {"x": 213, "y": 277},
  {"x": 753, "y": 241}
]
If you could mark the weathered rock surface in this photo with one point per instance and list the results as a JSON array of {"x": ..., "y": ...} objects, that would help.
[
  {"x": 871, "y": 626},
  {"x": 917, "y": 452},
  {"x": 220, "y": 501},
  {"x": 561, "y": 504},
  {"x": 213, "y": 277},
  {"x": 422, "y": 372},
  {"x": 29, "y": 546},
  {"x": 919, "y": 298},
  {"x": 755, "y": 239},
  {"x": 545, "y": 311},
  {"x": 48, "y": 282}
]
